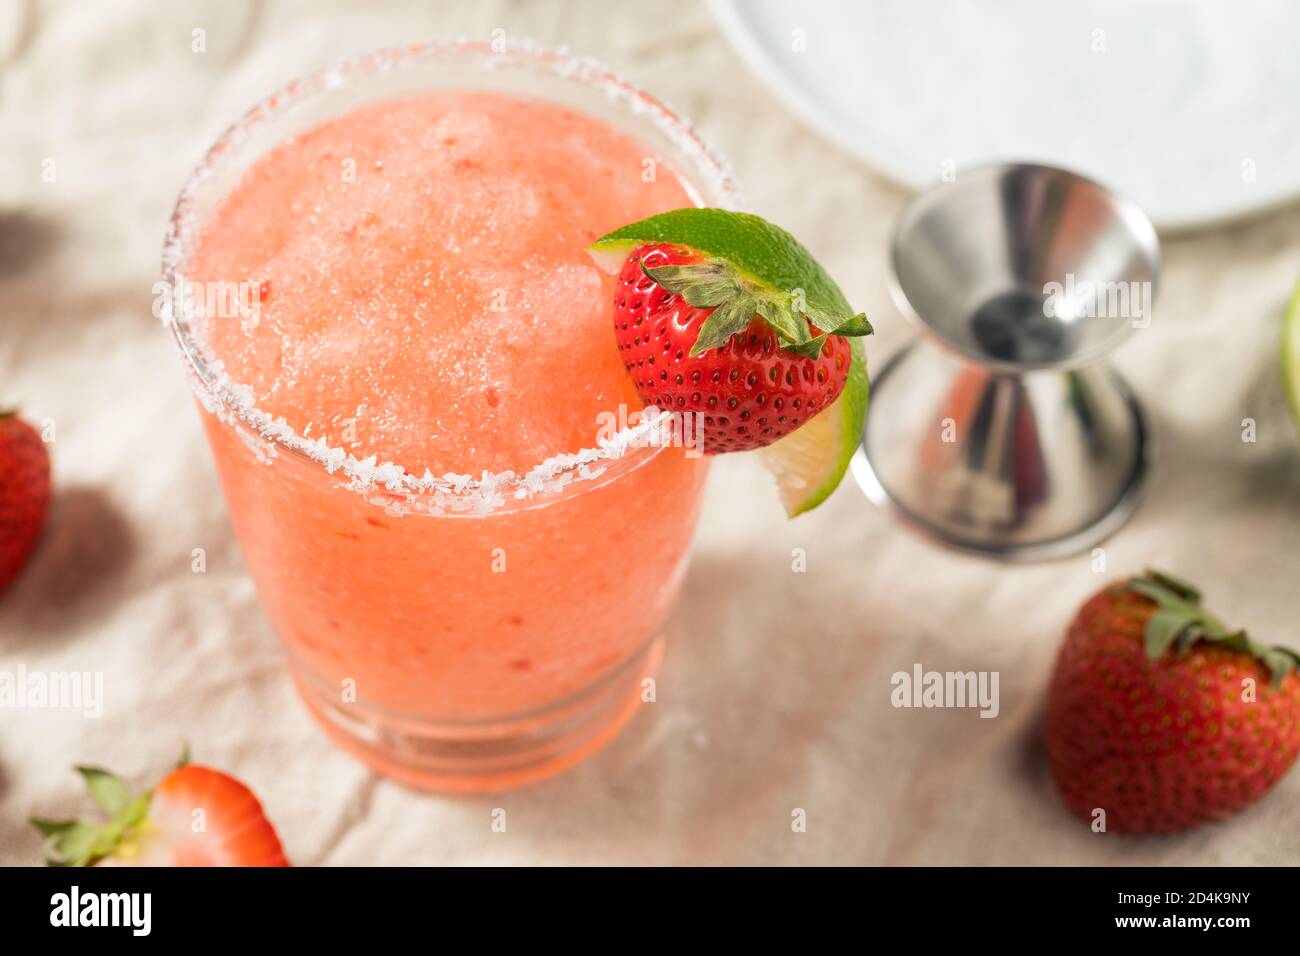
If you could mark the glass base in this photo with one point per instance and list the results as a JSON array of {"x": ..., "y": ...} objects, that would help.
[{"x": 476, "y": 757}]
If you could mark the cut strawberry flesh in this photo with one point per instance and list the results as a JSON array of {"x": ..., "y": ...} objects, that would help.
[{"x": 201, "y": 817}]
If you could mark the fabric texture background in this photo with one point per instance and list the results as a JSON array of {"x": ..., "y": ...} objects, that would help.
[{"x": 776, "y": 692}]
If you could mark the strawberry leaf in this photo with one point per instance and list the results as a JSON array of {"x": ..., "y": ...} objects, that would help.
[
  {"x": 1280, "y": 661},
  {"x": 811, "y": 349},
  {"x": 109, "y": 791},
  {"x": 67, "y": 842},
  {"x": 1180, "y": 619},
  {"x": 725, "y": 321},
  {"x": 1164, "y": 628},
  {"x": 854, "y": 325},
  {"x": 702, "y": 286},
  {"x": 787, "y": 326},
  {"x": 680, "y": 278},
  {"x": 1177, "y": 585},
  {"x": 1157, "y": 592},
  {"x": 52, "y": 827},
  {"x": 738, "y": 299},
  {"x": 1185, "y": 641},
  {"x": 82, "y": 842}
]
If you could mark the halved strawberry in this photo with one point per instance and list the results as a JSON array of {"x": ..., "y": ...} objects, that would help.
[{"x": 195, "y": 817}]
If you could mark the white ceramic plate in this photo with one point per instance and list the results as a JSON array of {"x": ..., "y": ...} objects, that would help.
[{"x": 1191, "y": 107}]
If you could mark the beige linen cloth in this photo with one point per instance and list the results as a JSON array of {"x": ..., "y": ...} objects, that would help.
[{"x": 776, "y": 692}]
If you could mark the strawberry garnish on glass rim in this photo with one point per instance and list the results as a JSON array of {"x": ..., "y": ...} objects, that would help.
[
  {"x": 196, "y": 816},
  {"x": 727, "y": 316}
]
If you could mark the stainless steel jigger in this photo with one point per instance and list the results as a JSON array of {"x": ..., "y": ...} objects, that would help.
[{"x": 1001, "y": 431}]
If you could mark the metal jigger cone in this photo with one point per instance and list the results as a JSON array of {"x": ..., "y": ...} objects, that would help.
[{"x": 1001, "y": 431}]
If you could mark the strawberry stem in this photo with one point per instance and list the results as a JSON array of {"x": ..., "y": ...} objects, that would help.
[{"x": 85, "y": 842}]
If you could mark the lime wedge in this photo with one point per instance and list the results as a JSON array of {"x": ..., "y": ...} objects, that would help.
[
  {"x": 809, "y": 463},
  {"x": 1291, "y": 354}
]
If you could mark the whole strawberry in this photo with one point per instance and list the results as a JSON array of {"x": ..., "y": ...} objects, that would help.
[
  {"x": 24, "y": 492},
  {"x": 1162, "y": 717},
  {"x": 195, "y": 817},
  {"x": 699, "y": 336}
]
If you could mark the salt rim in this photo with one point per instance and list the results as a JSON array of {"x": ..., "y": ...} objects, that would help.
[{"x": 398, "y": 490}]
